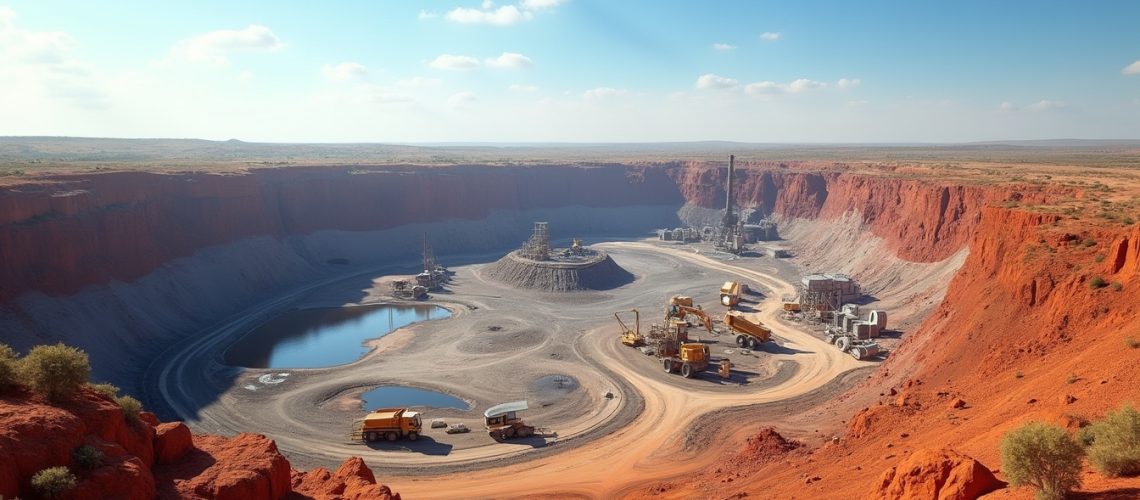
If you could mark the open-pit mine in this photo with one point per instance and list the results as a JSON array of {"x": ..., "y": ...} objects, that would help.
[{"x": 709, "y": 327}]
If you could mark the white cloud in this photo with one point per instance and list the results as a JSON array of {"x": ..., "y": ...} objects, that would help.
[
  {"x": 541, "y": 4},
  {"x": 461, "y": 98},
  {"x": 605, "y": 93},
  {"x": 213, "y": 47},
  {"x": 804, "y": 85},
  {"x": 522, "y": 88},
  {"x": 1131, "y": 69},
  {"x": 487, "y": 4},
  {"x": 771, "y": 88},
  {"x": 1039, "y": 106},
  {"x": 717, "y": 82},
  {"x": 1045, "y": 105},
  {"x": 245, "y": 76},
  {"x": 847, "y": 83},
  {"x": 455, "y": 63},
  {"x": 503, "y": 16},
  {"x": 724, "y": 46},
  {"x": 41, "y": 67},
  {"x": 344, "y": 71},
  {"x": 770, "y": 35},
  {"x": 858, "y": 103},
  {"x": 425, "y": 15},
  {"x": 509, "y": 60}
]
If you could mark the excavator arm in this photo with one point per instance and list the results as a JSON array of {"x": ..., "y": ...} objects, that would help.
[{"x": 682, "y": 311}]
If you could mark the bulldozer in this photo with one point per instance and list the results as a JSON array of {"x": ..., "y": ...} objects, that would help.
[
  {"x": 748, "y": 334},
  {"x": 632, "y": 338},
  {"x": 688, "y": 359},
  {"x": 504, "y": 423}
]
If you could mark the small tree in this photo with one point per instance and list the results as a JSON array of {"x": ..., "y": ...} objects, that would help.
[
  {"x": 105, "y": 389},
  {"x": 53, "y": 482},
  {"x": 1115, "y": 450},
  {"x": 1043, "y": 456},
  {"x": 131, "y": 407},
  {"x": 87, "y": 457},
  {"x": 55, "y": 371},
  {"x": 7, "y": 367}
]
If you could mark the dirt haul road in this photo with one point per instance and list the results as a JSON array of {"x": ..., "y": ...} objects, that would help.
[
  {"x": 601, "y": 447},
  {"x": 647, "y": 449}
]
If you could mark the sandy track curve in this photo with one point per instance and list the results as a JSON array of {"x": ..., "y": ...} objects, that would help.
[{"x": 599, "y": 468}]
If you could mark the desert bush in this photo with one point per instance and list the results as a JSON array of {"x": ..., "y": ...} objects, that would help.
[
  {"x": 1115, "y": 450},
  {"x": 131, "y": 407},
  {"x": 8, "y": 362},
  {"x": 1098, "y": 282},
  {"x": 1089, "y": 242},
  {"x": 88, "y": 457},
  {"x": 1099, "y": 257},
  {"x": 1018, "y": 374},
  {"x": 53, "y": 482},
  {"x": 109, "y": 390},
  {"x": 1073, "y": 378},
  {"x": 1132, "y": 342},
  {"x": 55, "y": 371},
  {"x": 1117, "y": 286},
  {"x": 1043, "y": 456}
]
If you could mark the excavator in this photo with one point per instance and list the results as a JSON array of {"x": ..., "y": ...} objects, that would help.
[
  {"x": 631, "y": 337},
  {"x": 681, "y": 307}
]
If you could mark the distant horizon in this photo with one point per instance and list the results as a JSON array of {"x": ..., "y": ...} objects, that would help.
[
  {"x": 572, "y": 71},
  {"x": 1123, "y": 142}
]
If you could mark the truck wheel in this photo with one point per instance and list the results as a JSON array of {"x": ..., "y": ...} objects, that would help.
[
  {"x": 667, "y": 364},
  {"x": 391, "y": 436},
  {"x": 687, "y": 370},
  {"x": 526, "y": 432},
  {"x": 412, "y": 436},
  {"x": 843, "y": 343},
  {"x": 508, "y": 433},
  {"x": 368, "y": 436},
  {"x": 741, "y": 341},
  {"x": 754, "y": 343}
]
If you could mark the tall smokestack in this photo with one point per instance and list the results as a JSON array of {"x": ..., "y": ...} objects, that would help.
[{"x": 728, "y": 215}]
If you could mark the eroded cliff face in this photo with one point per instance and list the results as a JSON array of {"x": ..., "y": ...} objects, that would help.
[{"x": 61, "y": 234}]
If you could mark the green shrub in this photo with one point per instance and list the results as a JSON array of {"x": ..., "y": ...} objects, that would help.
[
  {"x": 1073, "y": 378},
  {"x": 105, "y": 389},
  {"x": 53, "y": 482},
  {"x": 1086, "y": 437},
  {"x": 1089, "y": 242},
  {"x": 55, "y": 371},
  {"x": 88, "y": 457},
  {"x": 8, "y": 363},
  {"x": 1099, "y": 257},
  {"x": 1128, "y": 221},
  {"x": 1115, "y": 450},
  {"x": 1044, "y": 456},
  {"x": 1117, "y": 286},
  {"x": 131, "y": 408},
  {"x": 1098, "y": 282}
]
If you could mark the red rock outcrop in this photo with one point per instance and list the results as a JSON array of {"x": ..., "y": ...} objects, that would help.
[
  {"x": 140, "y": 463},
  {"x": 936, "y": 475},
  {"x": 244, "y": 466},
  {"x": 171, "y": 442},
  {"x": 353, "y": 480}
]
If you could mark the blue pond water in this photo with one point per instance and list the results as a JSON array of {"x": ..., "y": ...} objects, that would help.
[
  {"x": 389, "y": 396},
  {"x": 316, "y": 338}
]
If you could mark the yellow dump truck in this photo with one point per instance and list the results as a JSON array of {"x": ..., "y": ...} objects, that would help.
[
  {"x": 730, "y": 293},
  {"x": 390, "y": 424},
  {"x": 748, "y": 334}
]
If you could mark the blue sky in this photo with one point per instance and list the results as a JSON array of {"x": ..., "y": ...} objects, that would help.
[{"x": 572, "y": 70}]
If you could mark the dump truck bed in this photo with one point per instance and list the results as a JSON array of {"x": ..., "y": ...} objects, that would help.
[{"x": 738, "y": 323}]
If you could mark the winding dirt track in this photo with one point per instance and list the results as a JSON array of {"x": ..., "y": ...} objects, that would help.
[{"x": 644, "y": 450}]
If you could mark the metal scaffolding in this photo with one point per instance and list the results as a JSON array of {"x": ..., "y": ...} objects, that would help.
[{"x": 538, "y": 246}]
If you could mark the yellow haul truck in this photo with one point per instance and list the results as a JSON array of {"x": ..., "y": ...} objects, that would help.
[
  {"x": 390, "y": 424},
  {"x": 730, "y": 293},
  {"x": 748, "y": 334}
]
